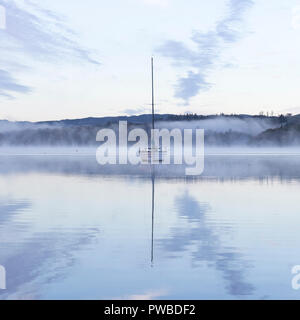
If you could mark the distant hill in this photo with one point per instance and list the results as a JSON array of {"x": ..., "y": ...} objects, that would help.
[
  {"x": 220, "y": 129},
  {"x": 143, "y": 118},
  {"x": 288, "y": 134}
]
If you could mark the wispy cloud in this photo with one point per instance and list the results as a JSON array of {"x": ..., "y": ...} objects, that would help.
[
  {"x": 33, "y": 34},
  {"x": 209, "y": 46},
  {"x": 9, "y": 84}
]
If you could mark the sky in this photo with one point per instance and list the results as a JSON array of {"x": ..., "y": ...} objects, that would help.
[{"x": 72, "y": 59}]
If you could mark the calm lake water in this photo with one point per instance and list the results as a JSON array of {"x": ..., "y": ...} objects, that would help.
[{"x": 72, "y": 229}]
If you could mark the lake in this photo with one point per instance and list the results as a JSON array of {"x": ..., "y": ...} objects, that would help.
[{"x": 72, "y": 229}]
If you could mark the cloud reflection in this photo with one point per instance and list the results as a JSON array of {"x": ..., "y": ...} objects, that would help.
[
  {"x": 196, "y": 230},
  {"x": 33, "y": 259}
]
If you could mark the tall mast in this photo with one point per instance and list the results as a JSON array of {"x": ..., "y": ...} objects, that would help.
[
  {"x": 152, "y": 74},
  {"x": 152, "y": 167},
  {"x": 152, "y": 220}
]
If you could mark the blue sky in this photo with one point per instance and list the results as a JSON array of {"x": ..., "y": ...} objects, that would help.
[{"x": 70, "y": 58}]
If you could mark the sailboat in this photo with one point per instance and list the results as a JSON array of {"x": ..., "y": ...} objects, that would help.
[{"x": 153, "y": 154}]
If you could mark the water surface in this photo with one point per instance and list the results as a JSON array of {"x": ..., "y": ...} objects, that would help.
[{"x": 72, "y": 229}]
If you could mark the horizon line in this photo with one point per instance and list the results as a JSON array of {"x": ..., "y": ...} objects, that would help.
[{"x": 264, "y": 114}]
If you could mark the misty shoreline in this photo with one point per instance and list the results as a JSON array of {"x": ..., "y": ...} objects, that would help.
[{"x": 220, "y": 130}]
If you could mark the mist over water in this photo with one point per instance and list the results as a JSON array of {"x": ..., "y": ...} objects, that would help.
[
  {"x": 220, "y": 130},
  {"x": 222, "y": 124},
  {"x": 67, "y": 222}
]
